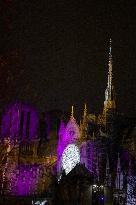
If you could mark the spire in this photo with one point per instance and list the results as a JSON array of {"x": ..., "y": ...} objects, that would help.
[
  {"x": 85, "y": 115},
  {"x": 85, "y": 110},
  {"x": 84, "y": 123},
  {"x": 110, "y": 54},
  {"x": 107, "y": 167},
  {"x": 110, "y": 100},
  {"x": 118, "y": 164},
  {"x": 72, "y": 112},
  {"x": 119, "y": 175},
  {"x": 110, "y": 72},
  {"x": 108, "y": 175},
  {"x": 109, "y": 93}
]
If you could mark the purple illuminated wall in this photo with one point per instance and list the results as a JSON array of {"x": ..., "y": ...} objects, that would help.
[
  {"x": 11, "y": 122},
  {"x": 24, "y": 180},
  {"x": 87, "y": 155},
  {"x": 61, "y": 145}
]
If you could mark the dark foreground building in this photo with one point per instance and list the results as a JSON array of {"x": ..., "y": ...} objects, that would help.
[{"x": 49, "y": 159}]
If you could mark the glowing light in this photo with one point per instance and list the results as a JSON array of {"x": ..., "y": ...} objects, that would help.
[
  {"x": 70, "y": 157},
  {"x": 68, "y": 134},
  {"x": 39, "y": 202},
  {"x": 131, "y": 200}
]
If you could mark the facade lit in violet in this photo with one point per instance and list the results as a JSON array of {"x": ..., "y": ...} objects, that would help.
[{"x": 38, "y": 148}]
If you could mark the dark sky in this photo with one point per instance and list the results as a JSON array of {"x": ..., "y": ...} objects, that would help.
[{"x": 54, "y": 53}]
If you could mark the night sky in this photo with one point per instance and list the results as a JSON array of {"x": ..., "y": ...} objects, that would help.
[{"x": 54, "y": 53}]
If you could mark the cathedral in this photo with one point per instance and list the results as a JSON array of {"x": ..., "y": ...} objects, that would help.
[{"x": 68, "y": 162}]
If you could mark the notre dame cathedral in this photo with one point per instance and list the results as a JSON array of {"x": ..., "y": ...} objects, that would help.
[{"x": 68, "y": 162}]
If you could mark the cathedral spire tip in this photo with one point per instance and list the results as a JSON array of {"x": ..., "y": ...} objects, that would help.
[
  {"x": 72, "y": 111},
  {"x": 109, "y": 92},
  {"x": 110, "y": 44},
  {"x": 85, "y": 110}
]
